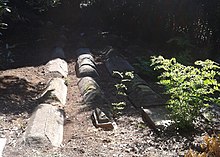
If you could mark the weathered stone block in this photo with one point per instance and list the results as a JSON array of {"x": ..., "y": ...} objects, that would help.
[
  {"x": 58, "y": 65},
  {"x": 86, "y": 61},
  {"x": 56, "y": 92},
  {"x": 86, "y": 68},
  {"x": 141, "y": 94},
  {"x": 90, "y": 89},
  {"x": 159, "y": 115},
  {"x": 117, "y": 63},
  {"x": 101, "y": 120},
  {"x": 45, "y": 127},
  {"x": 85, "y": 56}
]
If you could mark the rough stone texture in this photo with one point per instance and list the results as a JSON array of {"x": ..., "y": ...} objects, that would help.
[
  {"x": 58, "y": 53},
  {"x": 141, "y": 94},
  {"x": 45, "y": 127},
  {"x": 86, "y": 66},
  {"x": 101, "y": 116},
  {"x": 56, "y": 92},
  {"x": 89, "y": 89},
  {"x": 158, "y": 115},
  {"x": 85, "y": 56},
  {"x": 58, "y": 66},
  {"x": 86, "y": 70},
  {"x": 117, "y": 63},
  {"x": 101, "y": 120},
  {"x": 86, "y": 61},
  {"x": 2, "y": 145}
]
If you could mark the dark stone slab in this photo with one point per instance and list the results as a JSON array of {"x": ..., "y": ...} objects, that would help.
[
  {"x": 85, "y": 56},
  {"x": 86, "y": 61},
  {"x": 90, "y": 89},
  {"x": 141, "y": 95},
  {"x": 156, "y": 117},
  {"x": 86, "y": 70},
  {"x": 85, "y": 66},
  {"x": 117, "y": 63},
  {"x": 100, "y": 119}
]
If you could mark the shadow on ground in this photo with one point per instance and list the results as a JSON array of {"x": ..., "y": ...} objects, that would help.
[{"x": 17, "y": 95}]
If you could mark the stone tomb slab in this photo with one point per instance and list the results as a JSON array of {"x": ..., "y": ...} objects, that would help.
[
  {"x": 117, "y": 63},
  {"x": 141, "y": 94},
  {"x": 58, "y": 66},
  {"x": 90, "y": 89},
  {"x": 159, "y": 115},
  {"x": 100, "y": 119},
  {"x": 56, "y": 92},
  {"x": 86, "y": 66},
  {"x": 45, "y": 127}
]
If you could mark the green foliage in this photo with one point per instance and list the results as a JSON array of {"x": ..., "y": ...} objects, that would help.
[
  {"x": 143, "y": 64},
  {"x": 191, "y": 88},
  {"x": 121, "y": 87},
  {"x": 118, "y": 107},
  {"x": 124, "y": 77}
]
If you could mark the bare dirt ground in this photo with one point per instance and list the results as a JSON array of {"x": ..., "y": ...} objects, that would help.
[{"x": 132, "y": 138}]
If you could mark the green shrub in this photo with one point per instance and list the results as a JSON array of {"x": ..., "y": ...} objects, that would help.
[{"x": 191, "y": 88}]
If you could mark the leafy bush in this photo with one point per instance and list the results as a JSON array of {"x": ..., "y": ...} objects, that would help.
[
  {"x": 124, "y": 77},
  {"x": 191, "y": 88}
]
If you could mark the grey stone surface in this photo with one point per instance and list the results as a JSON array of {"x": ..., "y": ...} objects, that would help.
[
  {"x": 141, "y": 94},
  {"x": 86, "y": 70},
  {"x": 158, "y": 115},
  {"x": 85, "y": 65},
  {"x": 2, "y": 145},
  {"x": 89, "y": 89},
  {"x": 58, "y": 53},
  {"x": 45, "y": 127},
  {"x": 58, "y": 65},
  {"x": 101, "y": 120},
  {"x": 85, "y": 56},
  {"x": 101, "y": 116},
  {"x": 86, "y": 61},
  {"x": 117, "y": 63},
  {"x": 56, "y": 91}
]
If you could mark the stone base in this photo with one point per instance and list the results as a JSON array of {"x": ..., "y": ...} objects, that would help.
[{"x": 45, "y": 127}]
